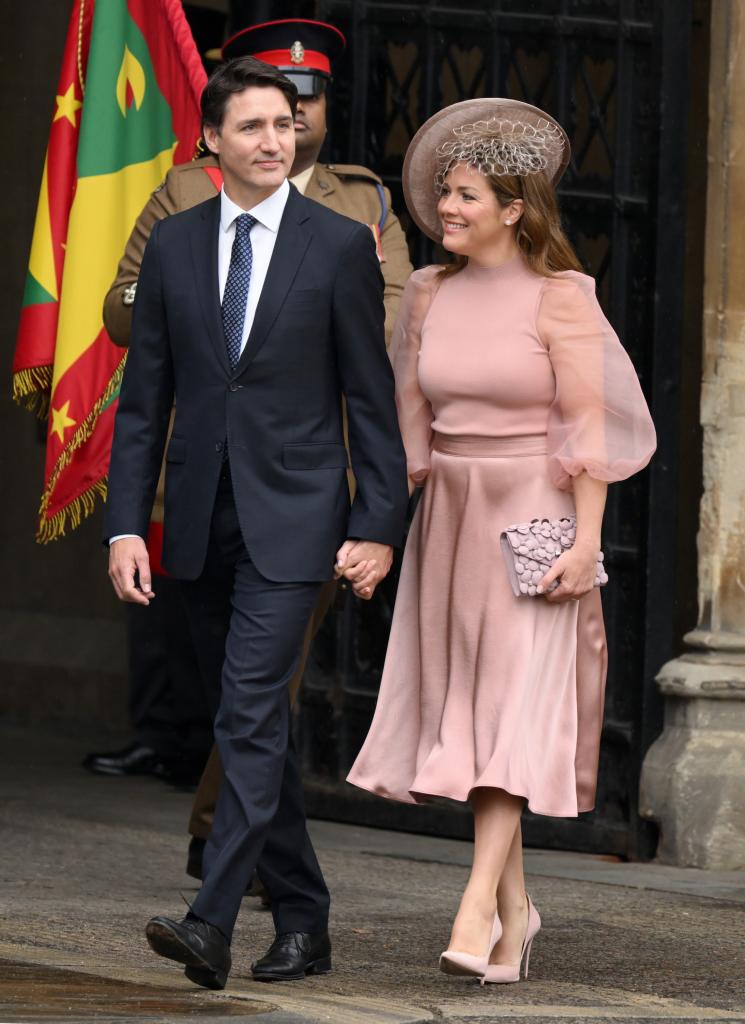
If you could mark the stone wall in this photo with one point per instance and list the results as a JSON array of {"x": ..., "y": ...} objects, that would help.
[{"x": 693, "y": 781}]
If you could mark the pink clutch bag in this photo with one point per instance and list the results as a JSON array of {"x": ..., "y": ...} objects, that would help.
[{"x": 530, "y": 549}]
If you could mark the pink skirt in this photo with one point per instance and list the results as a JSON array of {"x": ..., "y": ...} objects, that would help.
[{"x": 482, "y": 688}]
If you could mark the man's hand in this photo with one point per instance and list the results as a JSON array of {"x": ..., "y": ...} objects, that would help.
[
  {"x": 127, "y": 557},
  {"x": 364, "y": 563}
]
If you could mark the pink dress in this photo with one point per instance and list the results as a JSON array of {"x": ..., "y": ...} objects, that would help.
[{"x": 508, "y": 384}]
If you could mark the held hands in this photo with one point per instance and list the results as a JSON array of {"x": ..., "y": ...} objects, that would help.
[
  {"x": 575, "y": 570},
  {"x": 364, "y": 563},
  {"x": 127, "y": 557}
]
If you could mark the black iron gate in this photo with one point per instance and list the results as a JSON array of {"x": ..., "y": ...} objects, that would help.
[{"x": 615, "y": 73}]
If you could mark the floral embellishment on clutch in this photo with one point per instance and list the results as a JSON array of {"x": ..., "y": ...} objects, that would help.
[{"x": 530, "y": 550}]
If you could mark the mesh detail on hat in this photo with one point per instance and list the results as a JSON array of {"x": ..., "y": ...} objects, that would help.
[{"x": 501, "y": 146}]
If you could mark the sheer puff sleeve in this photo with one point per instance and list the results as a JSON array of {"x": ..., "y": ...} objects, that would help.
[
  {"x": 599, "y": 420},
  {"x": 414, "y": 411}
]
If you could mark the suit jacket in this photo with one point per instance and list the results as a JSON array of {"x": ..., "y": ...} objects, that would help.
[{"x": 317, "y": 334}]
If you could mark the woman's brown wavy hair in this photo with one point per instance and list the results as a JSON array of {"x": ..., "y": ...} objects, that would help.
[{"x": 539, "y": 234}]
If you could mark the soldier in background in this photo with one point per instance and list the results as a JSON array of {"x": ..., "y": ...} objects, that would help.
[{"x": 304, "y": 51}]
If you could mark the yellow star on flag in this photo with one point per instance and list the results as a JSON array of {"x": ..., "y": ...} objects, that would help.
[
  {"x": 61, "y": 421},
  {"x": 67, "y": 105}
]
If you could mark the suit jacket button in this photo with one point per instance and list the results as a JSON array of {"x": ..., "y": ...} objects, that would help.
[
  {"x": 218, "y": 446},
  {"x": 236, "y": 387}
]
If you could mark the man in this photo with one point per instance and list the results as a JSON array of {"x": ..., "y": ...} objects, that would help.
[
  {"x": 304, "y": 51},
  {"x": 256, "y": 312}
]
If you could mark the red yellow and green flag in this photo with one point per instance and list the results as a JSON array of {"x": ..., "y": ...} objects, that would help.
[{"x": 127, "y": 108}]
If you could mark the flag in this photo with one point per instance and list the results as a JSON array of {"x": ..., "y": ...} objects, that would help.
[{"x": 127, "y": 108}]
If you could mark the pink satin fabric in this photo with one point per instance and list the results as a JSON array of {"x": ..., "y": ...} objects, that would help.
[{"x": 498, "y": 412}]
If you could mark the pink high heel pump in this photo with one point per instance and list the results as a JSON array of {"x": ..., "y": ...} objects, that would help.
[
  {"x": 453, "y": 962},
  {"x": 504, "y": 973}
]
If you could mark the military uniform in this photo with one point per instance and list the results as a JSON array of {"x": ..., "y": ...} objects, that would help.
[{"x": 355, "y": 192}]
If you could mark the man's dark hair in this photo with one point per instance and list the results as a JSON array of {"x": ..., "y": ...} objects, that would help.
[{"x": 236, "y": 75}]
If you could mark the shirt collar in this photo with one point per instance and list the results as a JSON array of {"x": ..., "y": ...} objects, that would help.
[{"x": 268, "y": 212}]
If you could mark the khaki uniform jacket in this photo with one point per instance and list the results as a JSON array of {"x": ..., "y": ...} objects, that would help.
[{"x": 346, "y": 189}]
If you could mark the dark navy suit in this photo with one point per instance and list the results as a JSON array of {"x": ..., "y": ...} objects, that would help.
[{"x": 256, "y": 528}]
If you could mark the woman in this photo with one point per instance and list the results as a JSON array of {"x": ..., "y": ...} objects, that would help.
[{"x": 516, "y": 401}]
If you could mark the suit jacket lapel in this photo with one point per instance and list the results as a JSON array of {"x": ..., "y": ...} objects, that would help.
[
  {"x": 204, "y": 258},
  {"x": 293, "y": 238}
]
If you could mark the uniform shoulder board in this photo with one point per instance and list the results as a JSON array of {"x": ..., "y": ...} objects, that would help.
[
  {"x": 201, "y": 164},
  {"x": 354, "y": 172}
]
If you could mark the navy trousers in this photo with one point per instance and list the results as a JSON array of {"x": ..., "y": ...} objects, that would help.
[{"x": 253, "y": 628}]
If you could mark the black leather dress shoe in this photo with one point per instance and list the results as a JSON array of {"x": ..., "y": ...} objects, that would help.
[
  {"x": 201, "y": 947},
  {"x": 292, "y": 955},
  {"x": 136, "y": 759}
]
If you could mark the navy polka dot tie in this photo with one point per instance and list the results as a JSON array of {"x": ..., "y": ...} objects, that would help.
[{"x": 235, "y": 296}]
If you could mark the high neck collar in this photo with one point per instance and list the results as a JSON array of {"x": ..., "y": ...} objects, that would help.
[{"x": 515, "y": 265}]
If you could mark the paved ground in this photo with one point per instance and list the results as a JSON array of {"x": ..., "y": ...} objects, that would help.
[{"x": 84, "y": 861}]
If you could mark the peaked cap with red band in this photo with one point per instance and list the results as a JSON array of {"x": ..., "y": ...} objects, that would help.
[{"x": 303, "y": 50}]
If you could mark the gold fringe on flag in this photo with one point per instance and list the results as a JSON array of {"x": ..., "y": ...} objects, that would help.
[
  {"x": 75, "y": 512},
  {"x": 32, "y": 387},
  {"x": 52, "y": 528}
]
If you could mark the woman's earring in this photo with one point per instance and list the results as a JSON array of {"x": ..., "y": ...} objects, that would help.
[{"x": 508, "y": 222}]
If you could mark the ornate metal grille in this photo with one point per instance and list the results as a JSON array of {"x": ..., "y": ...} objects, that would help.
[{"x": 612, "y": 72}]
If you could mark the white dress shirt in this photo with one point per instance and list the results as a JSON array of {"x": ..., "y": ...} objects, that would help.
[{"x": 268, "y": 214}]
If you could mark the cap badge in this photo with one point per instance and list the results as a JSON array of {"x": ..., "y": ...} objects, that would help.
[{"x": 297, "y": 52}]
